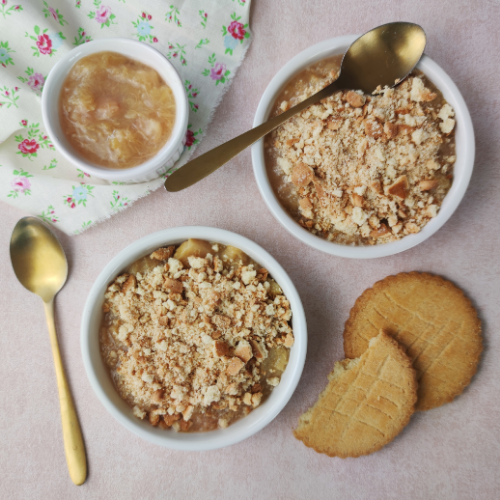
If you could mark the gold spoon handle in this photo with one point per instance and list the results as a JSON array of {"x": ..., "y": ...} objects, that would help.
[
  {"x": 205, "y": 164},
  {"x": 72, "y": 434}
]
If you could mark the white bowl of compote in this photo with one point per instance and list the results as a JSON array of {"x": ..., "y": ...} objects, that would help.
[
  {"x": 349, "y": 206},
  {"x": 117, "y": 109},
  {"x": 169, "y": 396}
]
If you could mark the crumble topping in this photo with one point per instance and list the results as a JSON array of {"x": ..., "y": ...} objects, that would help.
[
  {"x": 180, "y": 340},
  {"x": 367, "y": 169}
]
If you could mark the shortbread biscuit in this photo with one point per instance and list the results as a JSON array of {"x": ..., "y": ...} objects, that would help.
[
  {"x": 433, "y": 320},
  {"x": 366, "y": 404}
]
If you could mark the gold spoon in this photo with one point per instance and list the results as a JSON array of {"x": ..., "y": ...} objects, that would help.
[
  {"x": 40, "y": 265},
  {"x": 384, "y": 56}
]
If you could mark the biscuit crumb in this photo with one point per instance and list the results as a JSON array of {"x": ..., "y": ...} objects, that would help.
[
  {"x": 243, "y": 351},
  {"x": 274, "y": 381},
  {"x": 163, "y": 253},
  {"x": 256, "y": 399},
  {"x": 235, "y": 365},
  {"x": 391, "y": 145}
]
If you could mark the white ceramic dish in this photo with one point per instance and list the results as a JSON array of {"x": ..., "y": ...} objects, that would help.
[
  {"x": 101, "y": 382},
  {"x": 465, "y": 151},
  {"x": 142, "y": 52}
]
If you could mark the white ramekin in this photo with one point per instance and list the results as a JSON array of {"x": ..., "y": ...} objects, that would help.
[
  {"x": 101, "y": 382},
  {"x": 145, "y": 54},
  {"x": 465, "y": 150}
]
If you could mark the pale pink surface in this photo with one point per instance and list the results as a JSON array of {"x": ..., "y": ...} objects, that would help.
[{"x": 451, "y": 452}]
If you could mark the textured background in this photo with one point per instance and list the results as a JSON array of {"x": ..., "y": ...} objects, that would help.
[{"x": 451, "y": 452}]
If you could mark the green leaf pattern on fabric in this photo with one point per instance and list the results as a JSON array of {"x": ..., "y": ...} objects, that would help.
[
  {"x": 192, "y": 138},
  {"x": 82, "y": 37},
  {"x": 5, "y": 58},
  {"x": 144, "y": 27},
  {"x": 45, "y": 43},
  {"x": 54, "y": 13},
  {"x": 102, "y": 15},
  {"x": 34, "y": 139},
  {"x": 79, "y": 195},
  {"x": 34, "y": 80},
  {"x": 51, "y": 165},
  {"x": 234, "y": 33},
  {"x": 203, "y": 41},
  {"x": 192, "y": 94},
  {"x": 82, "y": 174},
  {"x": 49, "y": 215},
  {"x": 203, "y": 18},
  {"x": 6, "y": 9},
  {"x": 218, "y": 71},
  {"x": 177, "y": 51},
  {"x": 8, "y": 97},
  {"x": 85, "y": 225},
  {"x": 118, "y": 201},
  {"x": 172, "y": 16},
  {"x": 21, "y": 184}
]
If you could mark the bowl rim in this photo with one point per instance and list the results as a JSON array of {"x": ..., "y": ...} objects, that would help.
[
  {"x": 219, "y": 438},
  {"x": 113, "y": 44},
  {"x": 465, "y": 160}
]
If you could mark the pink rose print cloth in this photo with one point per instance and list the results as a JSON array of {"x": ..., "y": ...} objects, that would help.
[{"x": 205, "y": 40}]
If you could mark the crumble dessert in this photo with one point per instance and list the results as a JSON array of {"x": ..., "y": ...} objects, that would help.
[
  {"x": 116, "y": 111},
  {"x": 195, "y": 337},
  {"x": 358, "y": 169}
]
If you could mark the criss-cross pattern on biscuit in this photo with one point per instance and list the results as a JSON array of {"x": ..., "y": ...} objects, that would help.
[
  {"x": 366, "y": 401},
  {"x": 366, "y": 404},
  {"x": 427, "y": 340}
]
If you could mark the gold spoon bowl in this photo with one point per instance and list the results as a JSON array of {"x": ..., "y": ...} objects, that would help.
[
  {"x": 41, "y": 267},
  {"x": 382, "y": 57}
]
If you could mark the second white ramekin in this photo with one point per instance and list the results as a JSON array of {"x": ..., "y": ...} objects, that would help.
[{"x": 465, "y": 151}]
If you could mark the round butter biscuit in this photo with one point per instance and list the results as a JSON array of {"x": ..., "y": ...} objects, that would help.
[
  {"x": 433, "y": 320},
  {"x": 366, "y": 404}
]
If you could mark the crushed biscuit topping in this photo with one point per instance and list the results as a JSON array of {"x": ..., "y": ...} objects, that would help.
[
  {"x": 365, "y": 169},
  {"x": 186, "y": 344}
]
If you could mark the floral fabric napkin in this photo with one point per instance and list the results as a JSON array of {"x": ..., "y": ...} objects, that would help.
[{"x": 205, "y": 40}]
